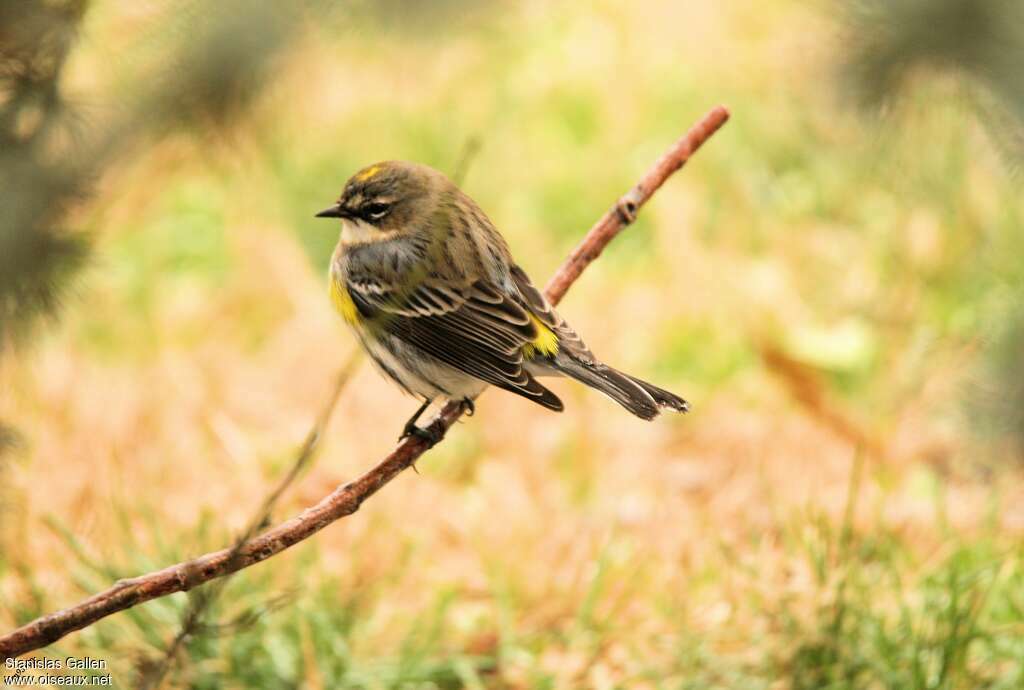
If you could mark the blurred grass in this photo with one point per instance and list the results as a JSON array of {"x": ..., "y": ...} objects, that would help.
[{"x": 725, "y": 549}]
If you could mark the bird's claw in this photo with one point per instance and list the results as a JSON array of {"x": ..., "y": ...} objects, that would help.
[
  {"x": 468, "y": 406},
  {"x": 430, "y": 434}
]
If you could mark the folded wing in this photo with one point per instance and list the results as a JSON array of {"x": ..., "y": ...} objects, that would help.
[{"x": 475, "y": 329}]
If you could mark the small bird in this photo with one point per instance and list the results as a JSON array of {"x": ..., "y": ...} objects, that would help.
[{"x": 432, "y": 292}]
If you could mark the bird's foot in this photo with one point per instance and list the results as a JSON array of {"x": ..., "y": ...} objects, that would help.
[
  {"x": 410, "y": 428},
  {"x": 430, "y": 434},
  {"x": 468, "y": 406}
]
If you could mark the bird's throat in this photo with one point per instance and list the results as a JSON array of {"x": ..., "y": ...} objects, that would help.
[{"x": 356, "y": 232}]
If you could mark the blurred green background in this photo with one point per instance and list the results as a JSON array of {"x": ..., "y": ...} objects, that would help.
[{"x": 834, "y": 282}]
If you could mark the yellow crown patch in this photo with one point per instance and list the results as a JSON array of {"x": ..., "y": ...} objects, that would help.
[{"x": 368, "y": 173}]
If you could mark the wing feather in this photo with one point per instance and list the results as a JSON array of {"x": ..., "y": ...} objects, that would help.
[
  {"x": 568, "y": 340},
  {"x": 477, "y": 329}
]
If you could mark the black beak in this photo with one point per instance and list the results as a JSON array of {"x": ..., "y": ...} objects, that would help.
[{"x": 332, "y": 212}]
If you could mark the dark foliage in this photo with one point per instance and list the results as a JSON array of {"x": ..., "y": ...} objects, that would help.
[
  {"x": 214, "y": 63},
  {"x": 980, "y": 42},
  {"x": 37, "y": 254}
]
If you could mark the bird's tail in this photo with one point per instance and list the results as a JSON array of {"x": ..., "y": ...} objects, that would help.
[{"x": 643, "y": 399}]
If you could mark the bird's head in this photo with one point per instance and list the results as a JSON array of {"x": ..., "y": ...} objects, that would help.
[{"x": 391, "y": 197}]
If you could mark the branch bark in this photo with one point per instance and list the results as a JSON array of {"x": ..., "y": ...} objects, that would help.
[{"x": 347, "y": 499}]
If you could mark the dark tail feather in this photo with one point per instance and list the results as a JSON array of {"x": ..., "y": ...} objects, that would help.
[
  {"x": 661, "y": 396},
  {"x": 549, "y": 400},
  {"x": 534, "y": 391},
  {"x": 639, "y": 397}
]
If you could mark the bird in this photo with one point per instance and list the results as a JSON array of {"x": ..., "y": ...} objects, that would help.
[{"x": 433, "y": 294}]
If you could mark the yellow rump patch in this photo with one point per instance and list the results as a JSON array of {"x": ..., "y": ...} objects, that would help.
[
  {"x": 368, "y": 173},
  {"x": 546, "y": 342},
  {"x": 343, "y": 302}
]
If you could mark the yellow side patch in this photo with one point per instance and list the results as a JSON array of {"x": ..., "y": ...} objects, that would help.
[
  {"x": 368, "y": 173},
  {"x": 546, "y": 342},
  {"x": 343, "y": 302}
]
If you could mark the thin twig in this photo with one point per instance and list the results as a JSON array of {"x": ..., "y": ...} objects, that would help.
[
  {"x": 192, "y": 619},
  {"x": 623, "y": 213},
  {"x": 346, "y": 499}
]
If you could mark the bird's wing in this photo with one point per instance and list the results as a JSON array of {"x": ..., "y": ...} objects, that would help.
[
  {"x": 568, "y": 341},
  {"x": 476, "y": 329}
]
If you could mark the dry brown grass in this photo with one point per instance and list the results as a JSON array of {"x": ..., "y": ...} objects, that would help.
[{"x": 187, "y": 407}]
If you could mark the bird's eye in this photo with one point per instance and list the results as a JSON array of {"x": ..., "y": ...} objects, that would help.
[{"x": 377, "y": 210}]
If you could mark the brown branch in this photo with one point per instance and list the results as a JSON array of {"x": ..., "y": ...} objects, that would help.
[
  {"x": 625, "y": 209},
  {"x": 346, "y": 499},
  {"x": 199, "y": 605}
]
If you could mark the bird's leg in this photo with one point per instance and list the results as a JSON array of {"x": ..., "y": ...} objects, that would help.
[
  {"x": 410, "y": 428},
  {"x": 468, "y": 406}
]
